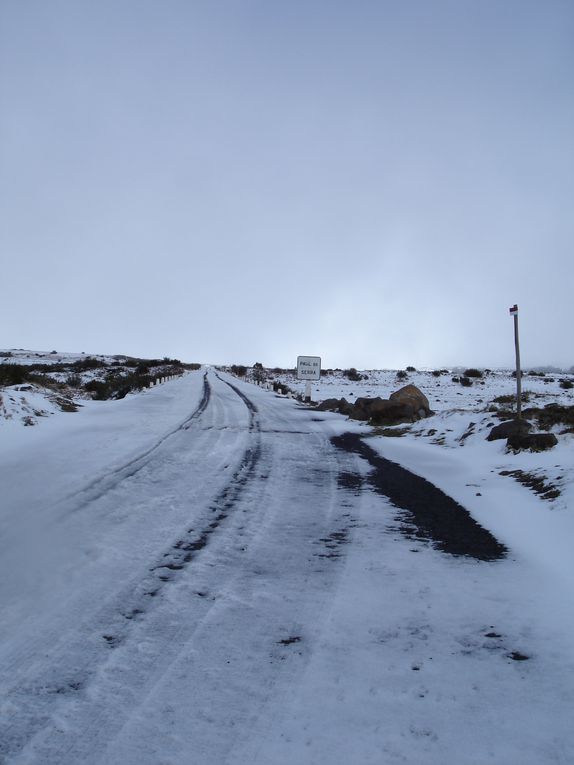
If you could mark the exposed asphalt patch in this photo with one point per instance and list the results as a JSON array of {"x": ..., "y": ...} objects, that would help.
[
  {"x": 430, "y": 513},
  {"x": 351, "y": 481}
]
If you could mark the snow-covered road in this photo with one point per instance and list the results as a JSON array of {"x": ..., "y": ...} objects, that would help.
[{"x": 198, "y": 575}]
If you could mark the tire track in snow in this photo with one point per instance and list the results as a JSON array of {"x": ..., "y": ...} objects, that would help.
[
  {"x": 189, "y": 544},
  {"x": 100, "y": 486},
  {"x": 36, "y": 700}
]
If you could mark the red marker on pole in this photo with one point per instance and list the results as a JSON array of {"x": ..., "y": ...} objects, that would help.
[{"x": 514, "y": 312}]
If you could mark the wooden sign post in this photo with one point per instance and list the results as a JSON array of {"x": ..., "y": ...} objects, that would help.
[{"x": 514, "y": 313}]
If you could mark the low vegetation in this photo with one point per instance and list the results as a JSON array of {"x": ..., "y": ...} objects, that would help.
[
  {"x": 352, "y": 374},
  {"x": 94, "y": 376}
]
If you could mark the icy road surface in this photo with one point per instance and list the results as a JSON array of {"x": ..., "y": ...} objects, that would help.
[{"x": 202, "y": 575}]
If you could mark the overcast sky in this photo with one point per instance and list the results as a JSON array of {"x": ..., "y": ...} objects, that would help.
[{"x": 374, "y": 182}]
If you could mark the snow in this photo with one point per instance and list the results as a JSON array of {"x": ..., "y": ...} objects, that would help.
[
  {"x": 444, "y": 394},
  {"x": 305, "y": 626},
  {"x": 24, "y": 356},
  {"x": 24, "y": 404}
]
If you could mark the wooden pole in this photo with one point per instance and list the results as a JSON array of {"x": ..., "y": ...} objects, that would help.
[{"x": 518, "y": 371}]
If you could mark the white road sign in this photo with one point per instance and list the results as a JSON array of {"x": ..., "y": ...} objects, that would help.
[{"x": 308, "y": 367}]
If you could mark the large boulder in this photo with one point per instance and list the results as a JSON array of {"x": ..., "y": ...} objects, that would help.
[
  {"x": 509, "y": 429},
  {"x": 411, "y": 396},
  {"x": 534, "y": 442},
  {"x": 329, "y": 405},
  {"x": 405, "y": 405},
  {"x": 340, "y": 405},
  {"x": 363, "y": 407},
  {"x": 390, "y": 412}
]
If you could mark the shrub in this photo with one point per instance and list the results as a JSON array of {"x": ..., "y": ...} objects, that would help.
[
  {"x": 511, "y": 398},
  {"x": 465, "y": 381},
  {"x": 82, "y": 365},
  {"x": 508, "y": 399},
  {"x": 401, "y": 375},
  {"x": 238, "y": 370},
  {"x": 45, "y": 380},
  {"x": 259, "y": 373},
  {"x": 99, "y": 388},
  {"x": 566, "y": 384},
  {"x": 13, "y": 374},
  {"x": 352, "y": 374},
  {"x": 47, "y": 367},
  {"x": 116, "y": 386},
  {"x": 411, "y": 369},
  {"x": 74, "y": 381},
  {"x": 473, "y": 373}
]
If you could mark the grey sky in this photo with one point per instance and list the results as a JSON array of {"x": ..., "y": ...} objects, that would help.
[{"x": 249, "y": 180}]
